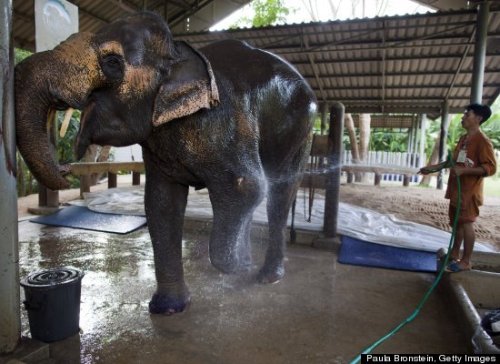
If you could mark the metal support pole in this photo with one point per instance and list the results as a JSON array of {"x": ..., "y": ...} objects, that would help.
[
  {"x": 422, "y": 159},
  {"x": 416, "y": 123},
  {"x": 10, "y": 321},
  {"x": 411, "y": 132},
  {"x": 324, "y": 113},
  {"x": 482, "y": 21},
  {"x": 443, "y": 137},
  {"x": 334, "y": 170}
]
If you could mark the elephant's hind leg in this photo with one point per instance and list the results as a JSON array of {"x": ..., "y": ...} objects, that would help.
[{"x": 280, "y": 198}]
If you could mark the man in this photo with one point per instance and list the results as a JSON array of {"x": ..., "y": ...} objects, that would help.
[{"x": 473, "y": 159}]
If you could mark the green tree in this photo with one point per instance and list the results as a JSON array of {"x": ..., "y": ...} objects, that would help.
[{"x": 266, "y": 12}]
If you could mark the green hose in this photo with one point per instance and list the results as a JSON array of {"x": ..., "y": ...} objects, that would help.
[{"x": 448, "y": 163}]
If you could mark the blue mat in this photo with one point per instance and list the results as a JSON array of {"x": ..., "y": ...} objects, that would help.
[
  {"x": 81, "y": 217},
  {"x": 358, "y": 252}
]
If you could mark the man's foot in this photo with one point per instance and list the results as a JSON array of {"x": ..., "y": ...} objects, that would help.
[{"x": 455, "y": 267}]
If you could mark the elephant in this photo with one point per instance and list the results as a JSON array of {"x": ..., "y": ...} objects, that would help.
[{"x": 228, "y": 117}]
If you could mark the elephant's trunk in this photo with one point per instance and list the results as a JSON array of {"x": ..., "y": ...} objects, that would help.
[{"x": 55, "y": 79}]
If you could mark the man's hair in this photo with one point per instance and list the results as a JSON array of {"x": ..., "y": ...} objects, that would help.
[{"x": 482, "y": 110}]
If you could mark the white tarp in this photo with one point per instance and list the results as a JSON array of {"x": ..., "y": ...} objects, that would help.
[{"x": 352, "y": 221}]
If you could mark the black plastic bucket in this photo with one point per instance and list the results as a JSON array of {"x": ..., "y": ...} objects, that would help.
[{"x": 53, "y": 303}]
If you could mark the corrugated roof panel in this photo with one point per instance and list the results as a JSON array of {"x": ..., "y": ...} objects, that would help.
[{"x": 419, "y": 60}]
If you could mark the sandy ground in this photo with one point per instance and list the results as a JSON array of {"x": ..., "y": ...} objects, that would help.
[{"x": 417, "y": 204}]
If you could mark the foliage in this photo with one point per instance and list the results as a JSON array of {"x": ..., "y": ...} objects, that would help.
[
  {"x": 65, "y": 145},
  {"x": 266, "y": 12},
  {"x": 388, "y": 140},
  {"x": 491, "y": 128},
  {"x": 20, "y": 54}
]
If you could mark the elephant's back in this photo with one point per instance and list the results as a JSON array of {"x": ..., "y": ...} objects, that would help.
[
  {"x": 275, "y": 94},
  {"x": 243, "y": 64}
]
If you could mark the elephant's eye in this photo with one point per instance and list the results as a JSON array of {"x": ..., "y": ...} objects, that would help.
[{"x": 112, "y": 66}]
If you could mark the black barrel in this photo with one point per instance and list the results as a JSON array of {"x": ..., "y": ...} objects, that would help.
[{"x": 53, "y": 303}]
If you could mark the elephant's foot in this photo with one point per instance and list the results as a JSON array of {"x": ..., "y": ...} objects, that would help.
[
  {"x": 271, "y": 273},
  {"x": 233, "y": 264},
  {"x": 168, "y": 305}
]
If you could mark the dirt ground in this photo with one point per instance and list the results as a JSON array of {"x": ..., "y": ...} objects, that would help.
[{"x": 417, "y": 204}]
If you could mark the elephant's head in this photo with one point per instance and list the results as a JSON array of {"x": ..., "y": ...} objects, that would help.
[{"x": 127, "y": 78}]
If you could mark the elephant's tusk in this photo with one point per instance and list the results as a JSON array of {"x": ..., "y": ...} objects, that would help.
[
  {"x": 51, "y": 116},
  {"x": 65, "y": 123}
]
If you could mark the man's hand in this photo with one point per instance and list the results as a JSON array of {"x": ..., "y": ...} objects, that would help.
[
  {"x": 424, "y": 171},
  {"x": 476, "y": 171},
  {"x": 459, "y": 170}
]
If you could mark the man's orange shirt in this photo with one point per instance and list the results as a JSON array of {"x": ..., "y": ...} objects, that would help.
[{"x": 478, "y": 153}]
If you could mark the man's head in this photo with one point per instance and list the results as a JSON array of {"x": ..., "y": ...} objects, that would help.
[{"x": 481, "y": 112}]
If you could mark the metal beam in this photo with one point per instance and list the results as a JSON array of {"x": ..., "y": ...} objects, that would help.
[
  {"x": 179, "y": 3},
  {"x": 392, "y": 99},
  {"x": 82, "y": 10},
  {"x": 401, "y": 87},
  {"x": 389, "y": 59},
  {"x": 180, "y": 17},
  {"x": 319, "y": 81},
  {"x": 396, "y": 74},
  {"x": 459, "y": 68},
  {"x": 383, "y": 65},
  {"x": 24, "y": 17},
  {"x": 125, "y": 5}
]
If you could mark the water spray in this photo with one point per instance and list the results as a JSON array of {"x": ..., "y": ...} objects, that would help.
[{"x": 449, "y": 163}]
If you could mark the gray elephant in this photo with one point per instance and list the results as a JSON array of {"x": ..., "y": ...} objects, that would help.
[{"x": 228, "y": 117}]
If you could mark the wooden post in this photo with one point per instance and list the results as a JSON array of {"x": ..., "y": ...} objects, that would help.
[
  {"x": 406, "y": 180},
  {"x": 112, "y": 180},
  {"x": 84, "y": 184},
  {"x": 334, "y": 170},
  {"x": 136, "y": 178}
]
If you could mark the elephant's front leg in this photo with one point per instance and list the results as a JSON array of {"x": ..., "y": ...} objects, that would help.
[
  {"x": 165, "y": 205},
  {"x": 234, "y": 200}
]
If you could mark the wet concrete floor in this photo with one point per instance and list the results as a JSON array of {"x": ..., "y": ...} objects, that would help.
[{"x": 321, "y": 312}]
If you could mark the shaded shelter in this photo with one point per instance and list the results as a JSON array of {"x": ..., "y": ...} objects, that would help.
[{"x": 419, "y": 64}]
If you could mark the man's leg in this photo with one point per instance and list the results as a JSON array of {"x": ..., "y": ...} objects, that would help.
[
  {"x": 457, "y": 243},
  {"x": 469, "y": 236}
]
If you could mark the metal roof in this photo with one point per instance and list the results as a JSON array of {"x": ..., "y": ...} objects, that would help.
[
  {"x": 93, "y": 14},
  {"x": 400, "y": 64}
]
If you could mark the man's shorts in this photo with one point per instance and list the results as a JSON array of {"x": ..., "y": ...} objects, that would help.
[{"x": 467, "y": 214}]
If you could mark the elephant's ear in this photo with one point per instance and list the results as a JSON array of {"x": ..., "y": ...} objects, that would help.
[{"x": 190, "y": 87}]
